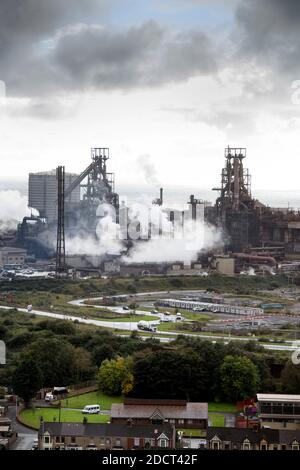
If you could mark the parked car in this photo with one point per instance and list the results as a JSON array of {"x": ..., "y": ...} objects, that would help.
[
  {"x": 35, "y": 444},
  {"x": 49, "y": 396},
  {"x": 91, "y": 409}
]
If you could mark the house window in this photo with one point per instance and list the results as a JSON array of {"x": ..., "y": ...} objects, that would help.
[
  {"x": 172, "y": 421},
  {"x": 295, "y": 447},
  {"x": 149, "y": 442},
  {"x": 275, "y": 447},
  {"x": 283, "y": 447},
  {"x": 190, "y": 421},
  {"x": 137, "y": 441},
  {"x": 226, "y": 446},
  {"x": 246, "y": 446},
  {"x": 163, "y": 443},
  {"x": 181, "y": 421},
  {"x": 47, "y": 440},
  {"x": 263, "y": 447},
  {"x": 215, "y": 445},
  {"x": 63, "y": 439},
  {"x": 118, "y": 442},
  {"x": 73, "y": 440},
  {"x": 57, "y": 439},
  {"x": 108, "y": 442}
]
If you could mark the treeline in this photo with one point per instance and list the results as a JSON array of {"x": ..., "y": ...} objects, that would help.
[
  {"x": 46, "y": 353},
  {"x": 197, "y": 370}
]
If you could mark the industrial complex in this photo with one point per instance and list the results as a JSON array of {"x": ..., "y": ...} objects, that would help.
[{"x": 253, "y": 237}]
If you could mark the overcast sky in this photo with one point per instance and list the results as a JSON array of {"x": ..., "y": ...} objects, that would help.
[{"x": 169, "y": 82}]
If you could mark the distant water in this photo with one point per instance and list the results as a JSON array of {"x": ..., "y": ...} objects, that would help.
[{"x": 180, "y": 195}]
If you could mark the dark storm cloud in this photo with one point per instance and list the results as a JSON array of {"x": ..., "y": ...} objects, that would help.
[
  {"x": 50, "y": 47},
  {"x": 30, "y": 19},
  {"x": 141, "y": 56},
  {"x": 269, "y": 33},
  {"x": 25, "y": 27}
]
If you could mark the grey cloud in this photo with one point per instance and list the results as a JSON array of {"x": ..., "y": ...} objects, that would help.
[
  {"x": 91, "y": 56},
  {"x": 141, "y": 56},
  {"x": 21, "y": 19},
  {"x": 269, "y": 33},
  {"x": 25, "y": 28}
]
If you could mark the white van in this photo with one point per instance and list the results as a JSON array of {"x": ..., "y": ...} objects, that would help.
[
  {"x": 49, "y": 396},
  {"x": 91, "y": 409}
]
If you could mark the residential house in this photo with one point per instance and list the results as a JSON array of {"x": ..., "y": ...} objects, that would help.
[
  {"x": 180, "y": 413},
  {"x": 7, "y": 436},
  {"x": 249, "y": 439},
  {"x": 90, "y": 436}
]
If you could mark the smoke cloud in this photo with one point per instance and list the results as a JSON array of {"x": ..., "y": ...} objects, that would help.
[
  {"x": 176, "y": 245},
  {"x": 153, "y": 238},
  {"x": 147, "y": 167},
  {"x": 13, "y": 207},
  {"x": 106, "y": 240}
]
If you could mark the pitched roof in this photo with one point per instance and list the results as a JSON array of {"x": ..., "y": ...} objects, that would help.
[
  {"x": 105, "y": 430},
  {"x": 287, "y": 436},
  {"x": 187, "y": 411},
  {"x": 240, "y": 434}
]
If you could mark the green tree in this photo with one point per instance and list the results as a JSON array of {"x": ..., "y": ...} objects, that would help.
[
  {"x": 100, "y": 353},
  {"x": 27, "y": 379},
  {"x": 162, "y": 374},
  {"x": 239, "y": 378},
  {"x": 290, "y": 378},
  {"x": 55, "y": 358},
  {"x": 83, "y": 364},
  {"x": 115, "y": 376}
]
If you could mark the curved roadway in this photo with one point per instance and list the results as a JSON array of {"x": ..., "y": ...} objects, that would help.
[{"x": 131, "y": 326}]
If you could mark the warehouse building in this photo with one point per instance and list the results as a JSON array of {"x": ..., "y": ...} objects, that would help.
[
  {"x": 279, "y": 411},
  {"x": 10, "y": 256},
  {"x": 205, "y": 306}
]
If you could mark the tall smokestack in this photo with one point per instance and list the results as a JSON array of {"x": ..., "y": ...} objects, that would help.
[{"x": 161, "y": 196}]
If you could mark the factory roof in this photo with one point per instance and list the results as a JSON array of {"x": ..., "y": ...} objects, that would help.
[
  {"x": 50, "y": 173},
  {"x": 12, "y": 248}
]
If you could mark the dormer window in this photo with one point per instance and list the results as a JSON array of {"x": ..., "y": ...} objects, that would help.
[{"x": 295, "y": 445}]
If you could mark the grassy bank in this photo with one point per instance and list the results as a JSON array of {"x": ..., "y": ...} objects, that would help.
[
  {"x": 91, "y": 398},
  {"x": 32, "y": 417}
]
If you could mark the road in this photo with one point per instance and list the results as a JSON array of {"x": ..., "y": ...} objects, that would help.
[
  {"x": 25, "y": 437},
  {"x": 131, "y": 326}
]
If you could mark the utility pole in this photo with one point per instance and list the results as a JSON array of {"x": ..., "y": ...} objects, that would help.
[{"x": 60, "y": 244}]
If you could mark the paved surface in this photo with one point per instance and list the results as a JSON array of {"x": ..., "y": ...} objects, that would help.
[
  {"x": 25, "y": 437},
  {"x": 24, "y": 441},
  {"x": 131, "y": 326}
]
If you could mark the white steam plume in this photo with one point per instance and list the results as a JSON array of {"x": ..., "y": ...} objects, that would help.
[
  {"x": 148, "y": 169},
  {"x": 170, "y": 242},
  {"x": 13, "y": 207},
  {"x": 106, "y": 240}
]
